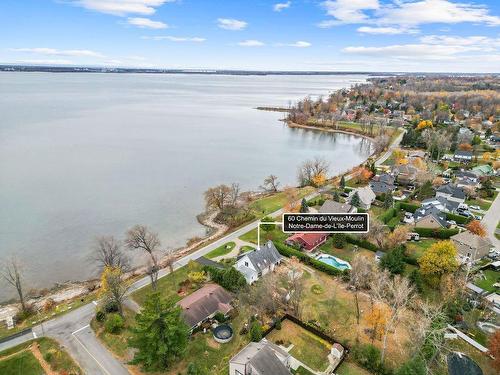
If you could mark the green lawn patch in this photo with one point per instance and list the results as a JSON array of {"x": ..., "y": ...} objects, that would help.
[
  {"x": 116, "y": 343},
  {"x": 246, "y": 249},
  {"x": 273, "y": 235},
  {"x": 302, "y": 371},
  {"x": 491, "y": 277},
  {"x": 23, "y": 363},
  {"x": 168, "y": 286},
  {"x": 485, "y": 205},
  {"x": 350, "y": 368},
  {"x": 272, "y": 203},
  {"x": 221, "y": 250},
  {"x": 307, "y": 347},
  {"x": 415, "y": 249}
]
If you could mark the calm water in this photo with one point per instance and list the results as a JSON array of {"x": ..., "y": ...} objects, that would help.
[{"x": 83, "y": 155}]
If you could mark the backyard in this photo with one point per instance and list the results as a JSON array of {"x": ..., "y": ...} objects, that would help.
[
  {"x": 485, "y": 279},
  {"x": 307, "y": 347}
]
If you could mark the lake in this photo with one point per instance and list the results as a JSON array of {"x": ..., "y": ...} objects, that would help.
[{"x": 83, "y": 155}]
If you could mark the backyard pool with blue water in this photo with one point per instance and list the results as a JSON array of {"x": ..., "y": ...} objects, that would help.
[{"x": 334, "y": 261}]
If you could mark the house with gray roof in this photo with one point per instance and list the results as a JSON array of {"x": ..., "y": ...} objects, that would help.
[
  {"x": 463, "y": 156},
  {"x": 441, "y": 203},
  {"x": 430, "y": 217},
  {"x": 259, "y": 262},
  {"x": 332, "y": 207},
  {"x": 470, "y": 246},
  {"x": 261, "y": 358},
  {"x": 366, "y": 196},
  {"x": 451, "y": 192},
  {"x": 380, "y": 187}
]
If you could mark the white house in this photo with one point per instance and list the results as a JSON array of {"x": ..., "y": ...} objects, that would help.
[{"x": 257, "y": 263}]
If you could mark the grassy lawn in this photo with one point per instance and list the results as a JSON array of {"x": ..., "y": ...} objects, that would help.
[
  {"x": 221, "y": 250},
  {"x": 276, "y": 201},
  {"x": 117, "y": 343},
  {"x": 245, "y": 249},
  {"x": 491, "y": 277},
  {"x": 274, "y": 235},
  {"x": 302, "y": 371},
  {"x": 307, "y": 347},
  {"x": 347, "y": 253},
  {"x": 479, "y": 202},
  {"x": 168, "y": 286},
  {"x": 350, "y": 368},
  {"x": 416, "y": 249},
  {"x": 23, "y": 363}
]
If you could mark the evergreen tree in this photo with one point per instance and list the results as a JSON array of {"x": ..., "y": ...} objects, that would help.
[
  {"x": 389, "y": 200},
  {"x": 256, "y": 331},
  {"x": 394, "y": 261},
  {"x": 194, "y": 369},
  {"x": 304, "y": 208},
  {"x": 267, "y": 227},
  {"x": 355, "y": 201},
  {"x": 160, "y": 334},
  {"x": 342, "y": 182},
  {"x": 336, "y": 196}
]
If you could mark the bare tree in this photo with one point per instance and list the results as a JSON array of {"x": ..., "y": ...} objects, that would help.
[
  {"x": 218, "y": 197},
  {"x": 169, "y": 259},
  {"x": 397, "y": 293},
  {"x": 234, "y": 194},
  {"x": 377, "y": 233},
  {"x": 271, "y": 183},
  {"x": 141, "y": 238},
  {"x": 107, "y": 252},
  {"x": 13, "y": 275},
  {"x": 291, "y": 278},
  {"x": 360, "y": 276},
  {"x": 311, "y": 168},
  {"x": 380, "y": 143}
]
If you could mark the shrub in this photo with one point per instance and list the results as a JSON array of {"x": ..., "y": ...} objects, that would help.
[
  {"x": 49, "y": 304},
  {"x": 100, "y": 316},
  {"x": 408, "y": 206},
  {"x": 368, "y": 356},
  {"x": 362, "y": 243},
  {"x": 220, "y": 317},
  {"x": 459, "y": 219},
  {"x": 229, "y": 278},
  {"x": 388, "y": 215},
  {"x": 110, "y": 306},
  {"x": 277, "y": 324},
  {"x": 114, "y": 323},
  {"x": 256, "y": 332},
  {"x": 339, "y": 240}
]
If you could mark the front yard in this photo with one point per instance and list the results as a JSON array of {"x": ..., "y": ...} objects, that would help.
[
  {"x": 307, "y": 347},
  {"x": 486, "y": 278}
]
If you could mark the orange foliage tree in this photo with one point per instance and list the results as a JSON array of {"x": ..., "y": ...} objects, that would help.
[
  {"x": 424, "y": 124},
  {"x": 494, "y": 347},
  {"x": 377, "y": 319},
  {"x": 465, "y": 147},
  {"x": 476, "y": 227}
]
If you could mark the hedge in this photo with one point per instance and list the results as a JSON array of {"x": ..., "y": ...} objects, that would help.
[
  {"x": 436, "y": 233},
  {"x": 362, "y": 243},
  {"x": 388, "y": 215},
  {"x": 408, "y": 206},
  {"x": 459, "y": 219},
  {"x": 288, "y": 252}
]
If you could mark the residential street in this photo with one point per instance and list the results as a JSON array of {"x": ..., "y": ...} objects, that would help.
[
  {"x": 74, "y": 333},
  {"x": 490, "y": 221}
]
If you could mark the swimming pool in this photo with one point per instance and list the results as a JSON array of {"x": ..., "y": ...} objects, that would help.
[{"x": 334, "y": 261}]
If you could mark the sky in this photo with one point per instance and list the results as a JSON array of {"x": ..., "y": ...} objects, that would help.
[{"x": 332, "y": 35}]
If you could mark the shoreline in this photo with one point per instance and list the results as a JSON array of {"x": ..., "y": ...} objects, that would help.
[{"x": 330, "y": 130}]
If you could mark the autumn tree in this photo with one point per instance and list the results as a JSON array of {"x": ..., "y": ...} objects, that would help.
[
  {"x": 377, "y": 232},
  {"x": 113, "y": 286},
  {"x": 140, "y": 238},
  {"x": 318, "y": 180},
  {"x": 398, "y": 155},
  {"x": 292, "y": 200},
  {"x": 377, "y": 319},
  {"x": 12, "y": 273},
  {"x": 107, "y": 252},
  {"x": 476, "y": 227},
  {"x": 222, "y": 196},
  {"x": 438, "y": 260},
  {"x": 465, "y": 147},
  {"x": 424, "y": 124},
  {"x": 311, "y": 170},
  {"x": 494, "y": 349},
  {"x": 359, "y": 278},
  {"x": 397, "y": 237},
  {"x": 271, "y": 184}
]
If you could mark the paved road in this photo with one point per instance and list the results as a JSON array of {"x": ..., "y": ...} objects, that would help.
[
  {"x": 394, "y": 145},
  {"x": 74, "y": 333},
  {"x": 490, "y": 221}
]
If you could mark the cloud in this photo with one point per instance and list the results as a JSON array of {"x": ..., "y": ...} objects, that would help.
[
  {"x": 146, "y": 23},
  {"x": 47, "y": 62},
  {"x": 122, "y": 7},
  {"x": 434, "y": 47},
  {"x": 251, "y": 43},
  {"x": 176, "y": 38},
  {"x": 58, "y": 52},
  {"x": 348, "y": 11},
  {"x": 385, "y": 30},
  {"x": 278, "y": 7},
  {"x": 231, "y": 24},
  {"x": 300, "y": 44},
  {"x": 406, "y": 15}
]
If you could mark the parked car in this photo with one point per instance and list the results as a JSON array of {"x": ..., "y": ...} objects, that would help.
[
  {"x": 345, "y": 195},
  {"x": 408, "y": 218},
  {"x": 412, "y": 236},
  {"x": 477, "y": 208}
]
